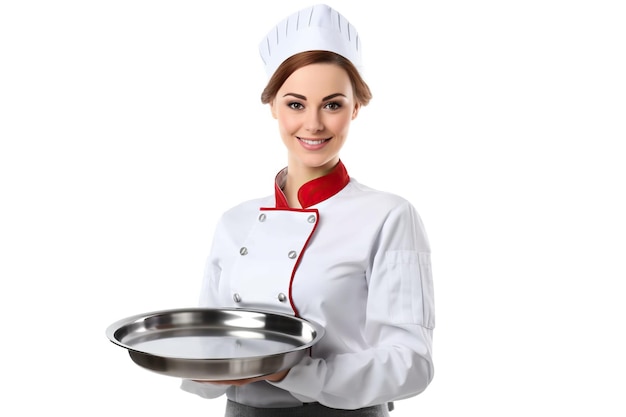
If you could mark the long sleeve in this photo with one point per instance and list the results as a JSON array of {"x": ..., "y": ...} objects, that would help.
[{"x": 397, "y": 362}]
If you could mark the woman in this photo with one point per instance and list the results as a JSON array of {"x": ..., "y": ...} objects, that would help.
[{"x": 324, "y": 247}]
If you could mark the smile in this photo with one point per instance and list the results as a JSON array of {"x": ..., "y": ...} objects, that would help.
[{"x": 313, "y": 142}]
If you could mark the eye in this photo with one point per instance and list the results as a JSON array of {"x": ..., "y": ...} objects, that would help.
[
  {"x": 333, "y": 105},
  {"x": 295, "y": 105}
]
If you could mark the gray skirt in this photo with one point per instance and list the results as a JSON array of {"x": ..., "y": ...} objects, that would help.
[{"x": 234, "y": 409}]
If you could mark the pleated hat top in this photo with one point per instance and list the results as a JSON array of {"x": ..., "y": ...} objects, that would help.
[{"x": 318, "y": 27}]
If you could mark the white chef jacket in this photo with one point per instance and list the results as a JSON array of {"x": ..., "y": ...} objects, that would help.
[{"x": 354, "y": 259}]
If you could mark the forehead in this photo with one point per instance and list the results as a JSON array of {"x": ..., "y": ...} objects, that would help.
[{"x": 318, "y": 79}]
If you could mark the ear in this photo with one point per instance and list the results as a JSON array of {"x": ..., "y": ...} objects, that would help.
[
  {"x": 273, "y": 110},
  {"x": 355, "y": 112}
]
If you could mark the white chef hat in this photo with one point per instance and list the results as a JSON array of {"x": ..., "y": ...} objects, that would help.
[{"x": 317, "y": 27}]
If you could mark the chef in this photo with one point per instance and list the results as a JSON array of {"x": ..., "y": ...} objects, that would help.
[{"x": 323, "y": 246}]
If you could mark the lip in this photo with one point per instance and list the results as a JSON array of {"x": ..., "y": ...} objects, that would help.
[{"x": 313, "y": 147}]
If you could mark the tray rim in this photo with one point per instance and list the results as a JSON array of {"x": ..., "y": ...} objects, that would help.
[{"x": 137, "y": 318}]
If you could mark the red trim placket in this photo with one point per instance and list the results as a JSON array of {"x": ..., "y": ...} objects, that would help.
[
  {"x": 306, "y": 243},
  {"x": 310, "y": 194}
]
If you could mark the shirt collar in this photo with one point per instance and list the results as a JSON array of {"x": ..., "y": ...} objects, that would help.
[{"x": 314, "y": 191}]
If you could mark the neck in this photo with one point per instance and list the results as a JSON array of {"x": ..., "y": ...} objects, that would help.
[{"x": 298, "y": 175}]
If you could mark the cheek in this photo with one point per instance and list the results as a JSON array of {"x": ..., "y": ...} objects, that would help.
[
  {"x": 339, "y": 124},
  {"x": 287, "y": 124}
]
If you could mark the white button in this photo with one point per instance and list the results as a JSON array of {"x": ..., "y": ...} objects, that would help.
[
  {"x": 243, "y": 251},
  {"x": 311, "y": 218},
  {"x": 262, "y": 217},
  {"x": 237, "y": 297},
  {"x": 292, "y": 254},
  {"x": 282, "y": 297}
]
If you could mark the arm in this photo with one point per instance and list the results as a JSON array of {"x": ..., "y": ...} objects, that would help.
[{"x": 398, "y": 329}]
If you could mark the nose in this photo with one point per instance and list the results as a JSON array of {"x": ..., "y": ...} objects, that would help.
[{"x": 313, "y": 122}]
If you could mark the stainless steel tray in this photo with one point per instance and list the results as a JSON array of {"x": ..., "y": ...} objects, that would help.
[{"x": 215, "y": 344}]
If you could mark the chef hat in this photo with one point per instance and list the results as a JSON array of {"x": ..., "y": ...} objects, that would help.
[{"x": 317, "y": 27}]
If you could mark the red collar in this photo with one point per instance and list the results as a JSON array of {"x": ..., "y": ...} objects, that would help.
[{"x": 314, "y": 191}]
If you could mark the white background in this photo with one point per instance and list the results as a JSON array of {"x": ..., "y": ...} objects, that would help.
[{"x": 127, "y": 127}]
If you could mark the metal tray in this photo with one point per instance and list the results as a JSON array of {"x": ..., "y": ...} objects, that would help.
[{"x": 215, "y": 344}]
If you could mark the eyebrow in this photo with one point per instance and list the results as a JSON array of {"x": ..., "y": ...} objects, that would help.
[{"x": 301, "y": 97}]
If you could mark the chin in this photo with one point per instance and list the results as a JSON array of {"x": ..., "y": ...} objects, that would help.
[{"x": 318, "y": 163}]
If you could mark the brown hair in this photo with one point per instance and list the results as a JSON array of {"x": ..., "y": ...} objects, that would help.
[{"x": 362, "y": 92}]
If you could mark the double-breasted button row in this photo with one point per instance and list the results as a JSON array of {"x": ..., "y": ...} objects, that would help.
[
  {"x": 281, "y": 297},
  {"x": 311, "y": 219},
  {"x": 292, "y": 254}
]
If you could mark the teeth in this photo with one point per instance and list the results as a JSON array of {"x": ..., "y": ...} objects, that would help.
[{"x": 313, "y": 142}]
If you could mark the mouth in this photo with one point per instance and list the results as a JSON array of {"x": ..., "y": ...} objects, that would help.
[{"x": 313, "y": 142}]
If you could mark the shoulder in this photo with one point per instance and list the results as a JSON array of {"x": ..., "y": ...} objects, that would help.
[
  {"x": 375, "y": 198},
  {"x": 384, "y": 205},
  {"x": 398, "y": 218}
]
